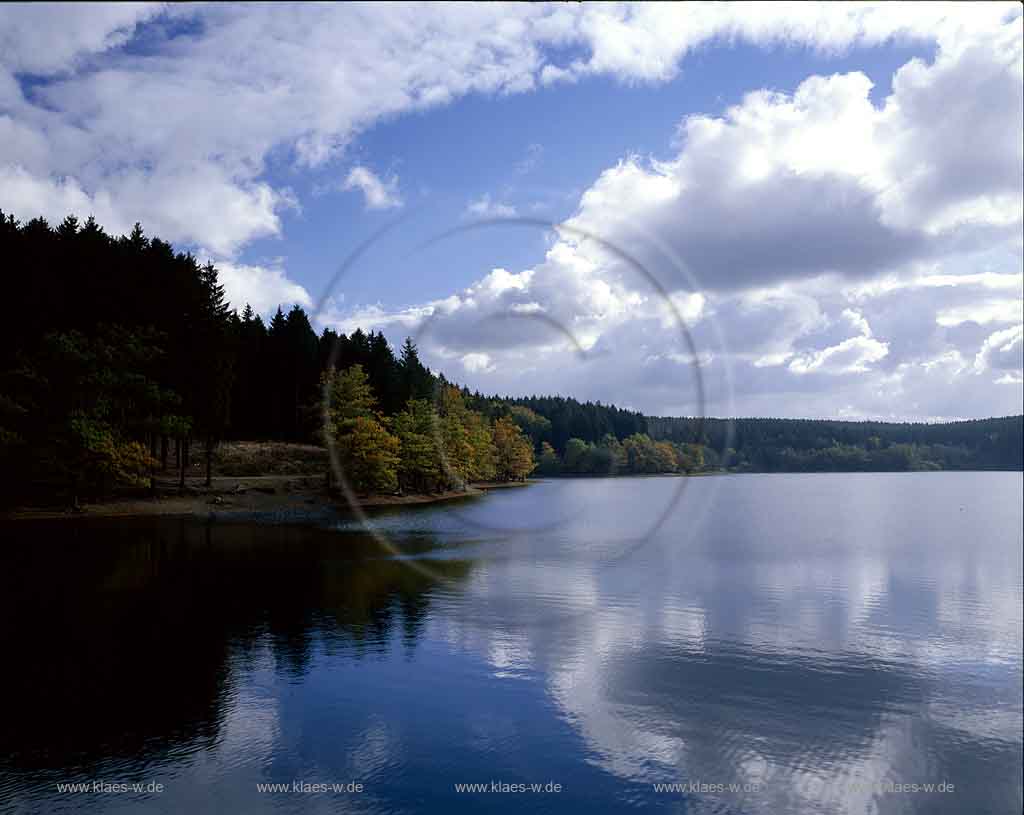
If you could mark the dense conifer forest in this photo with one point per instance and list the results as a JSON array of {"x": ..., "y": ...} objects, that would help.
[
  {"x": 808, "y": 445},
  {"x": 117, "y": 352}
]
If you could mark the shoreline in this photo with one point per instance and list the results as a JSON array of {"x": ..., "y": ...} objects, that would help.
[
  {"x": 244, "y": 496},
  {"x": 297, "y": 497}
]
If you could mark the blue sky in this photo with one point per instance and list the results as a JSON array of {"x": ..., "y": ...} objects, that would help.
[
  {"x": 535, "y": 152},
  {"x": 829, "y": 197}
]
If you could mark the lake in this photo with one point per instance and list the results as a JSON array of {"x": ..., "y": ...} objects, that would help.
[{"x": 766, "y": 643}]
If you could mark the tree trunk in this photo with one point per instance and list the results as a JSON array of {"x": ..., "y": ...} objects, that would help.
[
  {"x": 181, "y": 464},
  {"x": 163, "y": 453},
  {"x": 153, "y": 459},
  {"x": 209, "y": 460}
]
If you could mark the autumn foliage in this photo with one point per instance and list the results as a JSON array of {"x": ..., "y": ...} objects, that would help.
[{"x": 429, "y": 446}]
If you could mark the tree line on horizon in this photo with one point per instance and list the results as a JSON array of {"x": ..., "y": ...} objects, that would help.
[
  {"x": 117, "y": 352},
  {"x": 822, "y": 445}
]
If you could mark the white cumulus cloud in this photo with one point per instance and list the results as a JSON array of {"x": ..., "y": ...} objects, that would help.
[{"x": 378, "y": 193}]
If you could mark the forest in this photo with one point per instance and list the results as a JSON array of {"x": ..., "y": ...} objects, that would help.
[
  {"x": 814, "y": 445},
  {"x": 120, "y": 349},
  {"x": 117, "y": 352}
]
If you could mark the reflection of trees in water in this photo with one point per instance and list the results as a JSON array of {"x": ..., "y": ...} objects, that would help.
[{"x": 120, "y": 638}]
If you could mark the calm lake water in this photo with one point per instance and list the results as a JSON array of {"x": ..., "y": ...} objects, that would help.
[{"x": 793, "y": 643}]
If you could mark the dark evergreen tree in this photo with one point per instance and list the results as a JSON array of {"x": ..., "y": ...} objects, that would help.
[
  {"x": 303, "y": 374},
  {"x": 249, "y": 414},
  {"x": 416, "y": 381}
]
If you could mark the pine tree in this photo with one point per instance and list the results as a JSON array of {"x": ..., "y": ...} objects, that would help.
[
  {"x": 367, "y": 451},
  {"x": 416, "y": 381},
  {"x": 303, "y": 371},
  {"x": 421, "y": 468}
]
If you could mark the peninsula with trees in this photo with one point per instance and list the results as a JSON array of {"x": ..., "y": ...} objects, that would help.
[{"x": 122, "y": 366}]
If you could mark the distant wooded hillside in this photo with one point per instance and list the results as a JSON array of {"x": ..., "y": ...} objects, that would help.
[{"x": 807, "y": 445}]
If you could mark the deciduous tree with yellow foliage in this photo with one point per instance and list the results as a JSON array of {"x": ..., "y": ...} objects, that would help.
[{"x": 514, "y": 451}]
